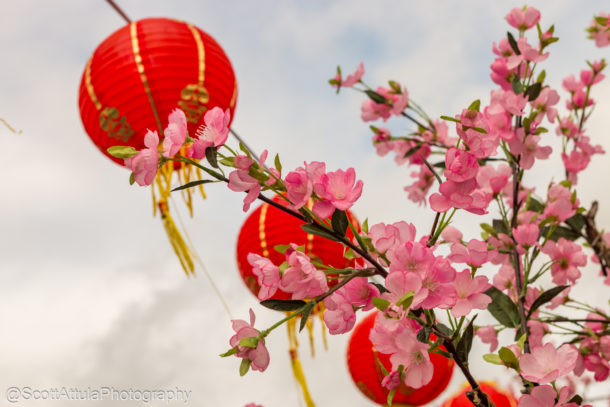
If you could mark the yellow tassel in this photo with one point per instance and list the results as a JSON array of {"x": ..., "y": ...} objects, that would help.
[
  {"x": 309, "y": 325},
  {"x": 175, "y": 238},
  {"x": 297, "y": 370}
]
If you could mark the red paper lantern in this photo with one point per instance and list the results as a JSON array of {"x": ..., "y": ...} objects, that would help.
[
  {"x": 267, "y": 227},
  {"x": 143, "y": 71},
  {"x": 366, "y": 373},
  {"x": 499, "y": 397}
]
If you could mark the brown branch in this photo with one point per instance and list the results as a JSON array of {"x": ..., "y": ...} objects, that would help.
[{"x": 118, "y": 10}]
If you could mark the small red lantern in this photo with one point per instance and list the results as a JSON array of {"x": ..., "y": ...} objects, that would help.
[
  {"x": 146, "y": 69},
  {"x": 366, "y": 373},
  {"x": 267, "y": 227},
  {"x": 499, "y": 397}
]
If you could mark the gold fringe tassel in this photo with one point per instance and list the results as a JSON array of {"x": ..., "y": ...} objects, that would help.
[{"x": 297, "y": 369}]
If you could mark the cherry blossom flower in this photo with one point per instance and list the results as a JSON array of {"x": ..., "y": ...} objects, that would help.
[
  {"x": 351, "y": 79},
  {"x": 387, "y": 238},
  {"x": 567, "y": 257},
  {"x": 302, "y": 279},
  {"x": 546, "y": 364},
  {"x": 241, "y": 181},
  {"x": 267, "y": 274},
  {"x": 470, "y": 293},
  {"x": 339, "y": 315},
  {"x": 339, "y": 190},
  {"x": 259, "y": 356},
  {"x": 488, "y": 334},
  {"x": 175, "y": 133},
  {"x": 144, "y": 165},
  {"x": 474, "y": 254},
  {"x": 214, "y": 132},
  {"x": 523, "y": 19},
  {"x": 298, "y": 187},
  {"x": 544, "y": 396},
  {"x": 526, "y": 236}
]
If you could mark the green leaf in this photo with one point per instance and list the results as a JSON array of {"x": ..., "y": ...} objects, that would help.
[
  {"x": 492, "y": 358},
  {"x": 577, "y": 221},
  {"x": 365, "y": 226},
  {"x": 250, "y": 342},
  {"x": 210, "y": 155},
  {"x": 465, "y": 343},
  {"x": 513, "y": 43},
  {"x": 230, "y": 352},
  {"x": 122, "y": 151},
  {"x": 475, "y": 106},
  {"x": 601, "y": 20},
  {"x": 406, "y": 300},
  {"x": 566, "y": 233},
  {"x": 132, "y": 178},
  {"x": 312, "y": 230},
  {"x": 424, "y": 335},
  {"x": 227, "y": 161},
  {"x": 541, "y": 77},
  {"x": 533, "y": 91},
  {"x": 193, "y": 184},
  {"x": 244, "y": 367},
  {"x": 278, "y": 164},
  {"x": 380, "y": 303},
  {"x": 281, "y": 248},
  {"x": 375, "y": 97},
  {"x": 412, "y": 151},
  {"x": 305, "y": 314},
  {"x": 499, "y": 226},
  {"x": 444, "y": 329},
  {"x": 243, "y": 148},
  {"x": 257, "y": 175},
  {"x": 489, "y": 229},
  {"x": 450, "y": 119},
  {"x": 339, "y": 222},
  {"x": 521, "y": 341},
  {"x": 503, "y": 308},
  {"x": 545, "y": 297},
  {"x": 516, "y": 84},
  {"x": 283, "y": 305},
  {"x": 508, "y": 357},
  {"x": 576, "y": 399},
  {"x": 534, "y": 205}
]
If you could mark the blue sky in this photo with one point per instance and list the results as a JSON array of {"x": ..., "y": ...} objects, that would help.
[{"x": 90, "y": 293}]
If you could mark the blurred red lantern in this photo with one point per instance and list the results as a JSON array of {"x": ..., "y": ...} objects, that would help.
[
  {"x": 366, "y": 373},
  {"x": 146, "y": 69},
  {"x": 499, "y": 397},
  {"x": 267, "y": 227},
  {"x": 135, "y": 78}
]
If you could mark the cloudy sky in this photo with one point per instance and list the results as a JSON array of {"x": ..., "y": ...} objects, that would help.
[{"x": 90, "y": 293}]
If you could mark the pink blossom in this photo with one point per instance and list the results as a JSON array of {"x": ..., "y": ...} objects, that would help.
[
  {"x": 398, "y": 102},
  {"x": 547, "y": 98},
  {"x": 144, "y": 165},
  {"x": 392, "y": 380},
  {"x": 537, "y": 330},
  {"x": 267, "y": 274},
  {"x": 352, "y": 78},
  {"x": 460, "y": 165},
  {"x": 241, "y": 181},
  {"x": 339, "y": 315},
  {"x": 418, "y": 190},
  {"x": 253, "y": 405},
  {"x": 302, "y": 279},
  {"x": 527, "y": 147},
  {"x": 175, "y": 133},
  {"x": 382, "y": 140},
  {"x": 386, "y": 238},
  {"x": 568, "y": 128},
  {"x": 258, "y": 356},
  {"x": 571, "y": 84},
  {"x": 546, "y": 364},
  {"x": 359, "y": 292},
  {"x": 567, "y": 256},
  {"x": 494, "y": 180},
  {"x": 560, "y": 205},
  {"x": 488, "y": 335},
  {"x": 526, "y": 235},
  {"x": 480, "y": 144},
  {"x": 589, "y": 78},
  {"x": 214, "y": 132},
  {"x": 298, "y": 187},
  {"x": 575, "y": 163},
  {"x": 523, "y": 19},
  {"x": 500, "y": 73},
  {"x": 560, "y": 299},
  {"x": 599, "y": 32},
  {"x": 451, "y": 234},
  {"x": 412, "y": 257},
  {"x": 339, "y": 190},
  {"x": 437, "y": 288},
  {"x": 544, "y": 396},
  {"x": 470, "y": 293},
  {"x": 475, "y": 253}
]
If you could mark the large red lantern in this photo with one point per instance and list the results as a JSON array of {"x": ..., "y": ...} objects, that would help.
[
  {"x": 135, "y": 78},
  {"x": 500, "y": 398},
  {"x": 267, "y": 227},
  {"x": 366, "y": 373},
  {"x": 143, "y": 71}
]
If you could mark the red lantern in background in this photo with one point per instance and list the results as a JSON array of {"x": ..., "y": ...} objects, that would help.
[
  {"x": 366, "y": 373},
  {"x": 146, "y": 69},
  {"x": 267, "y": 227},
  {"x": 499, "y": 397},
  {"x": 135, "y": 78}
]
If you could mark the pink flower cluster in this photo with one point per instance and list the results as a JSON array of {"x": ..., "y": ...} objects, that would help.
[
  {"x": 599, "y": 30},
  {"x": 258, "y": 355},
  {"x": 398, "y": 100}
]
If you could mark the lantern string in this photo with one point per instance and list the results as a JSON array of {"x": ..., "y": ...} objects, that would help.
[
  {"x": 8, "y": 126},
  {"x": 118, "y": 10},
  {"x": 200, "y": 262}
]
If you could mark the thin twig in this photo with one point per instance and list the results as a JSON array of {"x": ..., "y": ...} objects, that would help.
[{"x": 118, "y": 10}]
